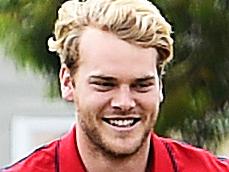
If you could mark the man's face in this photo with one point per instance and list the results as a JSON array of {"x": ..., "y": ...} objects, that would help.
[{"x": 116, "y": 92}]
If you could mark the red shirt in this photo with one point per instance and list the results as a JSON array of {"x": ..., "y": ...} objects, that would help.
[{"x": 168, "y": 156}]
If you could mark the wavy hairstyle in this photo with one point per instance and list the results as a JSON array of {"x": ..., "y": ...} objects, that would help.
[{"x": 138, "y": 22}]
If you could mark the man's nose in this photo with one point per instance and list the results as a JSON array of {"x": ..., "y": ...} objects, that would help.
[{"x": 123, "y": 99}]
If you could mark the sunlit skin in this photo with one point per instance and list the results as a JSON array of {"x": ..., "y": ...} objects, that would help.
[{"x": 115, "y": 80}]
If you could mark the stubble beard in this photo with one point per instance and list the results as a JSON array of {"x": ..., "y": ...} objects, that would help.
[{"x": 95, "y": 138}]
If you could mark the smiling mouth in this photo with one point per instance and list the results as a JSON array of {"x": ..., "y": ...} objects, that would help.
[{"x": 121, "y": 122}]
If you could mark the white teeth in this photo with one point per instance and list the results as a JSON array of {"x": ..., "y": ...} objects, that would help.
[{"x": 121, "y": 123}]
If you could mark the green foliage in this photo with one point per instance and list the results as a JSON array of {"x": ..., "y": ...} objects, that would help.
[
  {"x": 196, "y": 84},
  {"x": 212, "y": 127},
  {"x": 24, "y": 28}
]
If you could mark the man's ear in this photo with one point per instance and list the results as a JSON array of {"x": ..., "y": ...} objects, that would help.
[
  {"x": 161, "y": 91},
  {"x": 66, "y": 85}
]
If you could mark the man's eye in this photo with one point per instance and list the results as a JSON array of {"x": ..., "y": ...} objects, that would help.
[
  {"x": 102, "y": 86},
  {"x": 143, "y": 87}
]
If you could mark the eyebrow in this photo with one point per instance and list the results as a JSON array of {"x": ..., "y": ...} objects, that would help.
[
  {"x": 110, "y": 78},
  {"x": 145, "y": 78},
  {"x": 102, "y": 77}
]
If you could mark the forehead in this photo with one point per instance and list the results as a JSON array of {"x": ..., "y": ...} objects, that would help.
[{"x": 103, "y": 52}]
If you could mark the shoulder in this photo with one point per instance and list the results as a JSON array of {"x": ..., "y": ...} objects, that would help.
[
  {"x": 194, "y": 158},
  {"x": 40, "y": 160}
]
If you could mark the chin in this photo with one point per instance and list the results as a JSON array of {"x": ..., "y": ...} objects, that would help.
[
  {"x": 121, "y": 152},
  {"x": 125, "y": 147}
]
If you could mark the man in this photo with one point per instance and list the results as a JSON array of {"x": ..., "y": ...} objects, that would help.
[{"x": 113, "y": 54}]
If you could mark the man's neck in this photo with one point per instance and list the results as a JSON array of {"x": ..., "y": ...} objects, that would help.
[{"x": 96, "y": 161}]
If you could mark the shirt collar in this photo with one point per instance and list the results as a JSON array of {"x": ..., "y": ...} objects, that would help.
[
  {"x": 161, "y": 158},
  {"x": 69, "y": 157}
]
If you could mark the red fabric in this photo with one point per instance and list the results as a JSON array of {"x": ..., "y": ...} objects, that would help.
[
  {"x": 191, "y": 159},
  {"x": 41, "y": 160},
  {"x": 162, "y": 162},
  {"x": 169, "y": 156},
  {"x": 70, "y": 160}
]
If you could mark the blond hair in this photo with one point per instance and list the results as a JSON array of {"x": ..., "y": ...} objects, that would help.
[{"x": 138, "y": 22}]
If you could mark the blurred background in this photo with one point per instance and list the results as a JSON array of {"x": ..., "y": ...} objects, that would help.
[{"x": 196, "y": 85}]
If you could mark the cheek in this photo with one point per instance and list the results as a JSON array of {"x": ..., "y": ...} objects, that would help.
[
  {"x": 92, "y": 102},
  {"x": 150, "y": 102},
  {"x": 151, "y": 107}
]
